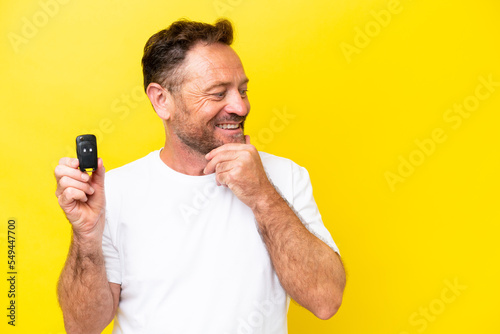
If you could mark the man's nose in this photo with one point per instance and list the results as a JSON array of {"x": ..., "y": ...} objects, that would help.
[{"x": 237, "y": 104}]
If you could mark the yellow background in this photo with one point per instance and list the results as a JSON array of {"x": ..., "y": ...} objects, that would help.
[{"x": 354, "y": 117}]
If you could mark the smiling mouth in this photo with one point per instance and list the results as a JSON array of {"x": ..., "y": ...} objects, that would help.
[{"x": 226, "y": 126}]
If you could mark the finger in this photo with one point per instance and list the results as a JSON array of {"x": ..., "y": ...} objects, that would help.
[
  {"x": 231, "y": 147},
  {"x": 64, "y": 170},
  {"x": 229, "y": 166},
  {"x": 225, "y": 147},
  {"x": 223, "y": 179},
  {"x": 222, "y": 167},
  {"x": 98, "y": 175},
  {"x": 221, "y": 156},
  {"x": 219, "y": 178},
  {"x": 70, "y": 196},
  {"x": 228, "y": 173},
  {"x": 68, "y": 182},
  {"x": 70, "y": 162}
]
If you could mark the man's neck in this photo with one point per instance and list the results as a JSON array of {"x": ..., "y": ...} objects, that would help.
[{"x": 183, "y": 160}]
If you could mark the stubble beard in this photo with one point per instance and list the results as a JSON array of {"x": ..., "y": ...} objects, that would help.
[{"x": 201, "y": 138}]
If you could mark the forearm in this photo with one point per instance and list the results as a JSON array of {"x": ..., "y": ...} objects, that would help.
[
  {"x": 84, "y": 292},
  {"x": 309, "y": 270}
]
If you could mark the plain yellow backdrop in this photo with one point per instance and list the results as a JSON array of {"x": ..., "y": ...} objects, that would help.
[{"x": 392, "y": 106}]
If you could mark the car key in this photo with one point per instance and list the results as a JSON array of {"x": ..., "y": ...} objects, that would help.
[{"x": 86, "y": 150}]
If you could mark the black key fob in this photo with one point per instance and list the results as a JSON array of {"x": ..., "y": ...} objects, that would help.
[{"x": 86, "y": 150}]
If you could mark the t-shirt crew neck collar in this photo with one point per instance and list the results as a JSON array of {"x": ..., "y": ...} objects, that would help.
[{"x": 178, "y": 175}]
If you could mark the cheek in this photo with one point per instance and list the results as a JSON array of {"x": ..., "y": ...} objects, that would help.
[
  {"x": 206, "y": 108},
  {"x": 211, "y": 110}
]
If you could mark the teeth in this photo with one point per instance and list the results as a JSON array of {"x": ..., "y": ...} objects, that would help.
[{"x": 228, "y": 126}]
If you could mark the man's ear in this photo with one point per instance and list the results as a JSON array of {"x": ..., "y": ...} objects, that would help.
[{"x": 161, "y": 99}]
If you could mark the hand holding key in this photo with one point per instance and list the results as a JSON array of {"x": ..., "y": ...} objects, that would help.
[{"x": 81, "y": 196}]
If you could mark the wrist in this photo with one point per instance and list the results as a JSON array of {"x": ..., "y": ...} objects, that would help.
[
  {"x": 87, "y": 244},
  {"x": 89, "y": 233},
  {"x": 268, "y": 205}
]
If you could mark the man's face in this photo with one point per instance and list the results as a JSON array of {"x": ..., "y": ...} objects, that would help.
[{"x": 212, "y": 104}]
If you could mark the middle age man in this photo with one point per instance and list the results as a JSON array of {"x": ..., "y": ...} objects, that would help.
[{"x": 163, "y": 261}]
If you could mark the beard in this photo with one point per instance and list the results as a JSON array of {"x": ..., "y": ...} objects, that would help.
[{"x": 202, "y": 138}]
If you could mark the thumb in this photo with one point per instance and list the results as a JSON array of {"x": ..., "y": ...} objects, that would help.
[{"x": 98, "y": 174}]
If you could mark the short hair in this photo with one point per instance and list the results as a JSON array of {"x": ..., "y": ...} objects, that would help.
[{"x": 166, "y": 50}]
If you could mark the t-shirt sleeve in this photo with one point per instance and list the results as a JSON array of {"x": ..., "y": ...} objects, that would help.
[
  {"x": 111, "y": 257},
  {"x": 306, "y": 207},
  {"x": 109, "y": 237}
]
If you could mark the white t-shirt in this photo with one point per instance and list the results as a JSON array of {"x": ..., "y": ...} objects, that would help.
[{"x": 188, "y": 254}]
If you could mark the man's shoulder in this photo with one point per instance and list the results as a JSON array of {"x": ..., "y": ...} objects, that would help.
[
  {"x": 134, "y": 168},
  {"x": 281, "y": 170},
  {"x": 274, "y": 162},
  {"x": 271, "y": 159}
]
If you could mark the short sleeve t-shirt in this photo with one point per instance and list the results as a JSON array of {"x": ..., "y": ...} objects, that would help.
[{"x": 188, "y": 254}]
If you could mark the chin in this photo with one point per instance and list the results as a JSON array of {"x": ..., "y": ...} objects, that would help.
[
  {"x": 234, "y": 139},
  {"x": 239, "y": 138}
]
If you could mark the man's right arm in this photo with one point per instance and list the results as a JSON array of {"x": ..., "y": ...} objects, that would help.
[{"x": 87, "y": 299}]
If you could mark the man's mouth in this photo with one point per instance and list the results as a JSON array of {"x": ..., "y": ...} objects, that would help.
[{"x": 228, "y": 126}]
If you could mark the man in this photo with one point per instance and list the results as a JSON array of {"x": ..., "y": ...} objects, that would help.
[{"x": 206, "y": 235}]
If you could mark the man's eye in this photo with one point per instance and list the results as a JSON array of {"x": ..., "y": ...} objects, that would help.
[
  {"x": 220, "y": 94},
  {"x": 243, "y": 92}
]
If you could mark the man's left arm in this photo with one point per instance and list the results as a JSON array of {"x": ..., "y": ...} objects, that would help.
[{"x": 308, "y": 269}]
